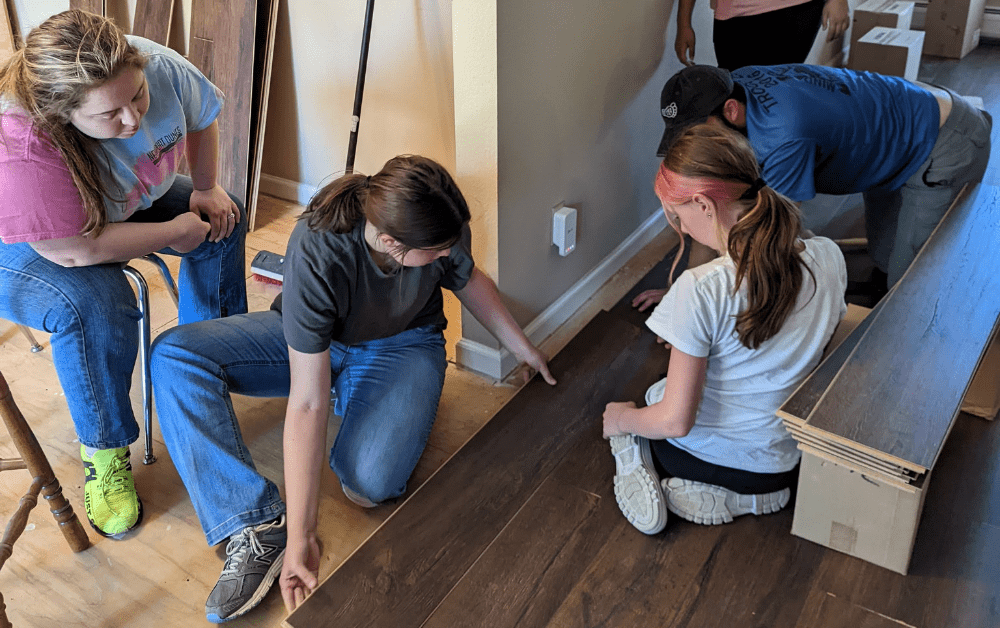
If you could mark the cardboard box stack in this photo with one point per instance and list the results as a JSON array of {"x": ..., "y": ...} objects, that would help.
[
  {"x": 859, "y": 500},
  {"x": 881, "y": 39},
  {"x": 953, "y": 27},
  {"x": 888, "y": 51}
]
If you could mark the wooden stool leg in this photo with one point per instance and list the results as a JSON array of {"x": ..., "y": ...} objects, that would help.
[
  {"x": 4, "y": 622},
  {"x": 38, "y": 465}
]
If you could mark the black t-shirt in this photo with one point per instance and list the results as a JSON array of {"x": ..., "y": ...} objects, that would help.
[{"x": 334, "y": 290}]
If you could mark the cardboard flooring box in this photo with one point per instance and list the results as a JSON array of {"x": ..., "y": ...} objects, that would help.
[
  {"x": 888, "y": 51},
  {"x": 953, "y": 27},
  {"x": 888, "y": 13},
  {"x": 857, "y": 512}
]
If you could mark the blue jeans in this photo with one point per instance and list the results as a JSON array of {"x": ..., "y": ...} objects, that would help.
[
  {"x": 387, "y": 393},
  {"x": 91, "y": 313}
]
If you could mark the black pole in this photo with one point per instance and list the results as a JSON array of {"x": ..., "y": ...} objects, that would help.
[{"x": 359, "y": 91}]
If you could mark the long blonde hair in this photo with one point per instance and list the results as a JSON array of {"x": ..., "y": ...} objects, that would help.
[
  {"x": 62, "y": 58},
  {"x": 764, "y": 243}
]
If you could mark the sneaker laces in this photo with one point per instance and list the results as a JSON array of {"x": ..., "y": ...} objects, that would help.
[
  {"x": 237, "y": 548},
  {"x": 115, "y": 480}
]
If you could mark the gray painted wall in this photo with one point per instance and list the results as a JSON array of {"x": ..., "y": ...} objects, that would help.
[{"x": 578, "y": 116}]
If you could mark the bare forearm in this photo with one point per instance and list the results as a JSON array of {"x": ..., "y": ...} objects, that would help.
[
  {"x": 685, "y": 8},
  {"x": 483, "y": 300},
  {"x": 655, "y": 422},
  {"x": 203, "y": 156},
  {"x": 304, "y": 443},
  {"x": 119, "y": 242}
]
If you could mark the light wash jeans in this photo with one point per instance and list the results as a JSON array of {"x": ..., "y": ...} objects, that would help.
[
  {"x": 387, "y": 394},
  {"x": 91, "y": 313}
]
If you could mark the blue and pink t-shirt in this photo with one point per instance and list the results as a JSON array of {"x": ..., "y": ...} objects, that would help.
[{"x": 38, "y": 199}]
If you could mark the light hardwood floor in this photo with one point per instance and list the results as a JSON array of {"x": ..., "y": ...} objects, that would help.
[{"x": 161, "y": 574}]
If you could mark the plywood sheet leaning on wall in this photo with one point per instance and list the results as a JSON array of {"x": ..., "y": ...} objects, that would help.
[
  {"x": 152, "y": 20},
  {"x": 226, "y": 44},
  {"x": 267, "y": 21},
  {"x": 6, "y": 32},
  {"x": 91, "y": 6}
]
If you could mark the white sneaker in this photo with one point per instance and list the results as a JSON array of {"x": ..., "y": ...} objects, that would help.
[
  {"x": 637, "y": 487},
  {"x": 708, "y": 504},
  {"x": 654, "y": 394}
]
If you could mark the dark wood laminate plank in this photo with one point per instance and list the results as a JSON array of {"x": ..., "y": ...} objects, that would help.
[
  {"x": 230, "y": 27},
  {"x": 515, "y": 569},
  {"x": 400, "y": 575},
  {"x": 830, "y": 611},
  {"x": 152, "y": 20},
  {"x": 901, "y": 388},
  {"x": 91, "y": 6},
  {"x": 802, "y": 402}
]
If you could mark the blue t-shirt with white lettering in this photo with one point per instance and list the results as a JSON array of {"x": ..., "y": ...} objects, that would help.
[
  {"x": 142, "y": 168},
  {"x": 827, "y": 130}
]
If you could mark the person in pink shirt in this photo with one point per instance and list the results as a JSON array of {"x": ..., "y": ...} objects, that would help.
[
  {"x": 762, "y": 32},
  {"x": 93, "y": 127}
]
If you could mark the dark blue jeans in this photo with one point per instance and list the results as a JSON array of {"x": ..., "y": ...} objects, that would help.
[
  {"x": 387, "y": 394},
  {"x": 91, "y": 314}
]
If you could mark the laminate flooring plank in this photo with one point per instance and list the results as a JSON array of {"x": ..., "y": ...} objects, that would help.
[
  {"x": 527, "y": 561},
  {"x": 901, "y": 388},
  {"x": 527, "y": 572},
  {"x": 952, "y": 578},
  {"x": 657, "y": 277},
  {"x": 751, "y": 572},
  {"x": 91, "y": 6},
  {"x": 829, "y": 611},
  {"x": 152, "y": 20},
  {"x": 401, "y": 574},
  {"x": 230, "y": 27},
  {"x": 802, "y": 402}
]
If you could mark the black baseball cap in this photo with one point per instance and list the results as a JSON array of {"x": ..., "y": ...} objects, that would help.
[{"x": 689, "y": 97}]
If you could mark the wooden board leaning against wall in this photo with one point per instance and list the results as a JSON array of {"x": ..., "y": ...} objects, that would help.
[{"x": 232, "y": 43}]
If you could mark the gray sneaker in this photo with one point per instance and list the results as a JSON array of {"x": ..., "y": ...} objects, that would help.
[{"x": 253, "y": 561}]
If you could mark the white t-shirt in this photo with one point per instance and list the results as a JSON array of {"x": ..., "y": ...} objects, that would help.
[{"x": 736, "y": 425}]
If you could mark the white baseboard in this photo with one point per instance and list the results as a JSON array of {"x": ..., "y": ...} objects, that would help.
[
  {"x": 498, "y": 363},
  {"x": 286, "y": 189}
]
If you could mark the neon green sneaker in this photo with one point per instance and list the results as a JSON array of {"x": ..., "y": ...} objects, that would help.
[{"x": 112, "y": 505}]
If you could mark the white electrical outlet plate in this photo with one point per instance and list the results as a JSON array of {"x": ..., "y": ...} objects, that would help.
[{"x": 564, "y": 230}]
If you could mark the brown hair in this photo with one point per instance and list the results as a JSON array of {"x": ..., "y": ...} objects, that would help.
[
  {"x": 412, "y": 198},
  {"x": 764, "y": 243},
  {"x": 62, "y": 59}
]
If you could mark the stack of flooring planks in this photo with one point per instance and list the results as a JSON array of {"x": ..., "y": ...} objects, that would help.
[
  {"x": 232, "y": 43},
  {"x": 883, "y": 403}
]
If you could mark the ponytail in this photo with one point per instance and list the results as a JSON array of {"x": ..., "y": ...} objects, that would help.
[
  {"x": 765, "y": 246},
  {"x": 413, "y": 199},
  {"x": 339, "y": 205},
  {"x": 764, "y": 243}
]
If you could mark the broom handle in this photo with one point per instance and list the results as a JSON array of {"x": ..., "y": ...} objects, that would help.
[{"x": 359, "y": 90}]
